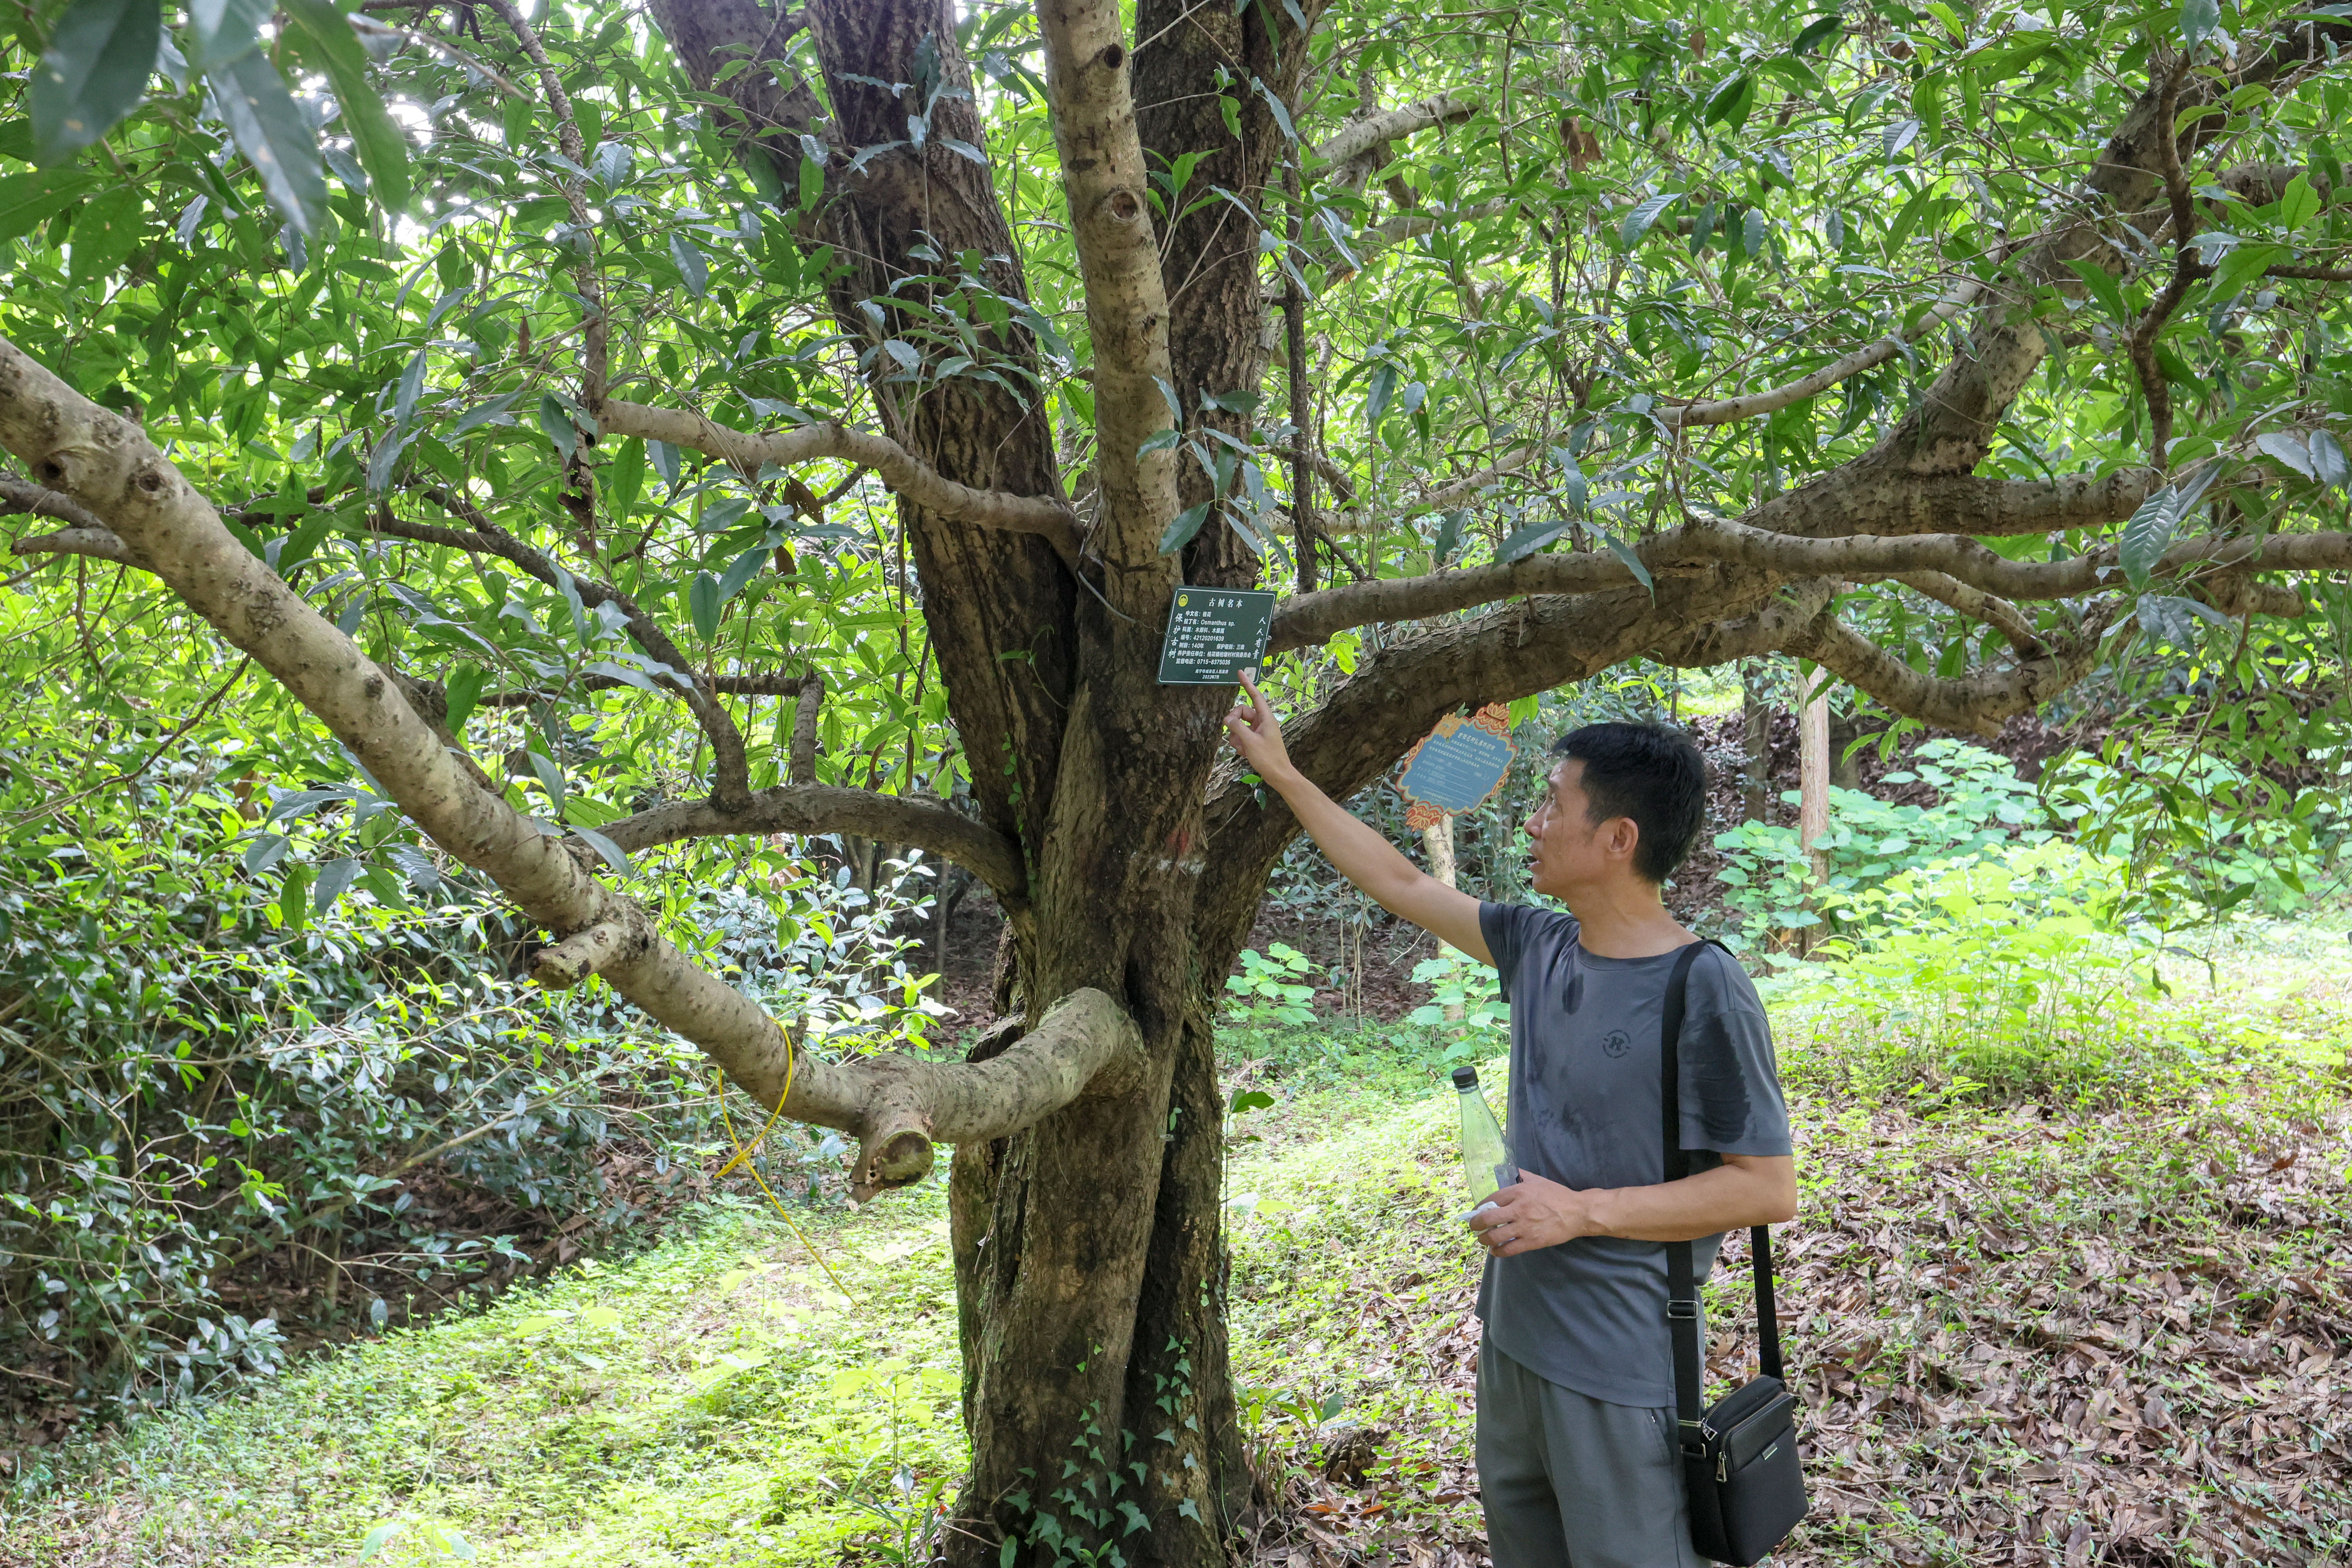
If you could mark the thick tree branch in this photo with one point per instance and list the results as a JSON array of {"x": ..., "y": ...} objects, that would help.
[
  {"x": 106, "y": 465},
  {"x": 1976, "y": 703},
  {"x": 1086, "y": 1044},
  {"x": 1861, "y": 499},
  {"x": 1959, "y": 413},
  {"x": 901, "y": 471},
  {"x": 801, "y": 756},
  {"x": 1767, "y": 631},
  {"x": 1312, "y": 618},
  {"x": 811, "y": 809},
  {"x": 1103, "y": 176},
  {"x": 1861, "y": 558}
]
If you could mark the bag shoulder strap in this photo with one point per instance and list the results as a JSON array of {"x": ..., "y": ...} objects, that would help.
[{"x": 1681, "y": 1288}]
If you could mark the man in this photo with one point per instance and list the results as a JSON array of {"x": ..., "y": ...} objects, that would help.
[{"x": 1578, "y": 1461}]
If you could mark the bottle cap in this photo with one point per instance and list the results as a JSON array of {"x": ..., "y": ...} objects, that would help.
[{"x": 1465, "y": 1078}]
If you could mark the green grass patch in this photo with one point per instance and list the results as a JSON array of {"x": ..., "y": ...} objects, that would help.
[{"x": 2035, "y": 1310}]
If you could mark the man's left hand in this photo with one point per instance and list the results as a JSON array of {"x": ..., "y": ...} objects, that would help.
[{"x": 1535, "y": 1212}]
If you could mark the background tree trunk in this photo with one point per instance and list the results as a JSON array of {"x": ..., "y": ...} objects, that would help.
[{"x": 1755, "y": 721}]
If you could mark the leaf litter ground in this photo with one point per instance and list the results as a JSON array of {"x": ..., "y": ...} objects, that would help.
[{"x": 2029, "y": 1333}]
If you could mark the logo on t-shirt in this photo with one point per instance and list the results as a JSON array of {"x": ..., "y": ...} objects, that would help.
[{"x": 1618, "y": 1043}]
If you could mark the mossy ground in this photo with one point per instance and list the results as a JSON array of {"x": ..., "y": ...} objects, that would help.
[{"x": 1988, "y": 1296}]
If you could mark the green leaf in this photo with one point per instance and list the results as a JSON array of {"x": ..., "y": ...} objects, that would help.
[
  {"x": 2242, "y": 266},
  {"x": 2329, "y": 464},
  {"x": 2298, "y": 203},
  {"x": 222, "y": 31},
  {"x": 1645, "y": 214},
  {"x": 611, "y": 854},
  {"x": 2199, "y": 20},
  {"x": 2147, "y": 536},
  {"x": 1180, "y": 531},
  {"x": 465, "y": 694},
  {"x": 1624, "y": 552},
  {"x": 703, "y": 602},
  {"x": 747, "y": 565},
  {"x": 1449, "y": 534},
  {"x": 557, "y": 422},
  {"x": 1382, "y": 388},
  {"x": 550, "y": 777},
  {"x": 383, "y": 148},
  {"x": 2288, "y": 448},
  {"x": 1730, "y": 102},
  {"x": 28, "y": 200},
  {"x": 335, "y": 878},
  {"x": 692, "y": 269},
  {"x": 412, "y": 386},
  {"x": 1818, "y": 33},
  {"x": 1530, "y": 539},
  {"x": 2104, "y": 288},
  {"x": 273, "y": 132},
  {"x": 93, "y": 73}
]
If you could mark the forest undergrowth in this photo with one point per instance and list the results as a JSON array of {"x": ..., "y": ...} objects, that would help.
[{"x": 2090, "y": 1325}]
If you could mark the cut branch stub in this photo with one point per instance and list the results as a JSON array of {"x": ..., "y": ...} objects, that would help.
[
  {"x": 563, "y": 965},
  {"x": 1085, "y": 1045}
]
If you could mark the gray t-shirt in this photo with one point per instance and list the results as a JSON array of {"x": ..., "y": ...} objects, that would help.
[{"x": 1590, "y": 1314}]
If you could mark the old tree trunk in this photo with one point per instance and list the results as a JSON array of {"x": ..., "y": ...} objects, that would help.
[{"x": 1128, "y": 854}]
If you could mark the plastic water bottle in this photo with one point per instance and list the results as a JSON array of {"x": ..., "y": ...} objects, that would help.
[{"x": 1485, "y": 1158}]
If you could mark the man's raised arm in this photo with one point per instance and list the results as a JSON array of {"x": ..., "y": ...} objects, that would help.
[{"x": 1361, "y": 853}]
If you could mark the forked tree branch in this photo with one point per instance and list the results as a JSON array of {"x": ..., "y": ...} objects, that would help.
[
  {"x": 24, "y": 496},
  {"x": 1979, "y": 605},
  {"x": 1976, "y": 703},
  {"x": 899, "y": 470},
  {"x": 2188, "y": 267},
  {"x": 106, "y": 464},
  {"x": 730, "y": 764}
]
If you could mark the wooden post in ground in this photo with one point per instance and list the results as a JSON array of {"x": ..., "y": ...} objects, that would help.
[
  {"x": 1814, "y": 776},
  {"x": 1437, "y": 845},
  {"x": 1755, "y": 718}
]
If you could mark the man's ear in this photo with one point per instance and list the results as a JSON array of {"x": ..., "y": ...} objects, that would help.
[{"x": 1625, "y": 839}]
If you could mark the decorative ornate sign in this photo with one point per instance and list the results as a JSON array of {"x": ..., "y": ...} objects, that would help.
[
  {"x": 1214, "y": 634},
  {"x": 1454, "y": 767}
]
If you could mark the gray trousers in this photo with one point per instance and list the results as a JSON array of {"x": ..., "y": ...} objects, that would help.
[{"x": 1571, "y": 1482}]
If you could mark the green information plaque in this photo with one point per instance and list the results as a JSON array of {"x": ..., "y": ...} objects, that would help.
[{"x": 1214, "y": 634}]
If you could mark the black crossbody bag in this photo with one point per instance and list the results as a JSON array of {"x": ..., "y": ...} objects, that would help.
[{"x": 1739, "y": 1458}]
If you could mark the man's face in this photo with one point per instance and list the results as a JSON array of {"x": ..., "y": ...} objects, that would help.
[{"x": 1571, "y": 853}]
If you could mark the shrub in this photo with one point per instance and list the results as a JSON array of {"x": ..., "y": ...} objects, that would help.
[
  {"x": 1997, "y": 977},
  {"x": 200, "y": 1081},
  {"x": 1981, "y": 803}
]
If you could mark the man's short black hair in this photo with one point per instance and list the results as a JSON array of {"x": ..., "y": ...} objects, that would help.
[{"x": 1650, "y": 772}]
